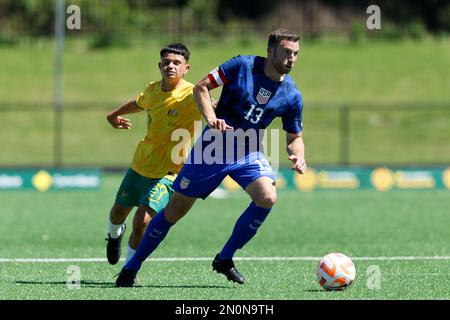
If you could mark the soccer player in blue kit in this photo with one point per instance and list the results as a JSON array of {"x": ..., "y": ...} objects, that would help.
[{"x": 255, "y": 91}]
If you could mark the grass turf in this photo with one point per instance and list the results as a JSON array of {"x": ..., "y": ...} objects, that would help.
[{"x": 357, "y": 223}]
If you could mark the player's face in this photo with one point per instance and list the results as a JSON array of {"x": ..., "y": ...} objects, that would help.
[
  {"x": 285, "y": 55},
  {"x": 173, "y": 66}
]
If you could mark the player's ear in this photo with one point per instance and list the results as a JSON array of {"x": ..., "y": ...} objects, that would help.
[
  {"x": 269, "y": 52},
  {"x": 186, "y": 68},
  {"x": 159, "y": 65}
]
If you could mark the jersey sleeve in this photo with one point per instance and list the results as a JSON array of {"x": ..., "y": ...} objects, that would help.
[
  {"x": 225, "y": 73},
  {"x": 292, "y": 118},
  {"x": 142, "y": 101}
]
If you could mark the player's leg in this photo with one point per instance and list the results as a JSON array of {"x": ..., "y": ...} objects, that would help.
[
  {"x": 156, "y": 231},
  {"x": 155, "y": 198},
  {"x": 116, "y": 230},
  {"x": 258, "y": 182},
  {"x": 158, "y": 228},
  {"x": 117, "y": 217},
  {"x": 141, "y": 219},
  {"x": 128, "y": 195},
  {"x": 193, "y": 181},
  {"x": 263, "y": 194}
]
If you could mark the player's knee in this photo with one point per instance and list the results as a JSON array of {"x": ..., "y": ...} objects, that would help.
[
  {"x": 173, "y": 212},
  {"x": 267, "y": 201},
  {"x": 176, "y": 209},
  {"x": 172, "y": 215}
]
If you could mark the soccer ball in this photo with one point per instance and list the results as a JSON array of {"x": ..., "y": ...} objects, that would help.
[{"x": 335, "y": 271}]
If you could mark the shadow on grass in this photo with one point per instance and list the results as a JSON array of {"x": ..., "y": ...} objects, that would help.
[
  {"x": 316, "y": 290},
  {"x": 97, "y": 284}
]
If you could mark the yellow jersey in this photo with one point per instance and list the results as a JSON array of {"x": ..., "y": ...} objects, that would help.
[{"x": 166, "y": 112}]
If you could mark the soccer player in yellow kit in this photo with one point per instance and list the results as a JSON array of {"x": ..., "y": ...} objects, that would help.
[{"x": 170, "y": 105}]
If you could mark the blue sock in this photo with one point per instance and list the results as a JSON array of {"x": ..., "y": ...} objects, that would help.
[
  {"x": 154, "y": 234},
  {"x": 244, "y": 229}
]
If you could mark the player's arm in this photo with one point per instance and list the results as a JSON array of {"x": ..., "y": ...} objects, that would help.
[
  {"x": 296, "y": 151},
  {"x": 205, "y": 106},
  {"x": 115, "y": 119}
]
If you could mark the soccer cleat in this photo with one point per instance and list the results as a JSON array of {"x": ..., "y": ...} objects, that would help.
[
  {"x": 126, "y": 278},
  {"x": 113, "y": 248},
  {"x": 226, "y": 267}
]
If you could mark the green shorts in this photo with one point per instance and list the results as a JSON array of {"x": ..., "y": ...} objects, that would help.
[{"x": 136, "y": 189}]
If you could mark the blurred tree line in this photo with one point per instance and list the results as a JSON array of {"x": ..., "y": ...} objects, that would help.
[{"x": 112, "y": 21}]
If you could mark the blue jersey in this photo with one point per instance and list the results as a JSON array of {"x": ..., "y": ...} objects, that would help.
[
  {"x": 250, "y": 99},
  {"x": 249, "y": 102}
]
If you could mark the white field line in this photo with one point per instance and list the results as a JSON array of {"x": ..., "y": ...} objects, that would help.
[{"x": 187, "y": 259}]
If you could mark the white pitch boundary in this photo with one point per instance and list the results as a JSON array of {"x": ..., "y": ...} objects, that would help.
[{"x": 187, "y": 259}]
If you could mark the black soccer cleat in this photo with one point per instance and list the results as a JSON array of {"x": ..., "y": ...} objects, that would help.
[
  {"x": 126, "y": 278},
  {"x": 113, "y": 247},
  {"x": 226, "y": 267}
]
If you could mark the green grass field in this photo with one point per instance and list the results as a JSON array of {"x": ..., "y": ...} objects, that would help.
[{"x": 365, "y": 225}]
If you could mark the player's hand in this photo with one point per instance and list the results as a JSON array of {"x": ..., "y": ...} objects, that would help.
[
  {"x": 299, "y": 164},
  {"x": 219, "y": 124},
  {"x": 119, "y": 122}
]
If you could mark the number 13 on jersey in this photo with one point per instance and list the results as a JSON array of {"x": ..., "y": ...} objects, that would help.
[{"x": 254, "y": 117}]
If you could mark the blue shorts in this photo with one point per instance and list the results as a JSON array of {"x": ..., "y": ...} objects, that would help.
[{"x": 199, "y": 180}]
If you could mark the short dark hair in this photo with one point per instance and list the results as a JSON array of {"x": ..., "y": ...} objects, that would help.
[
  {"x": 280, "y": 34},
  {"x": 177, "y": 48}
]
